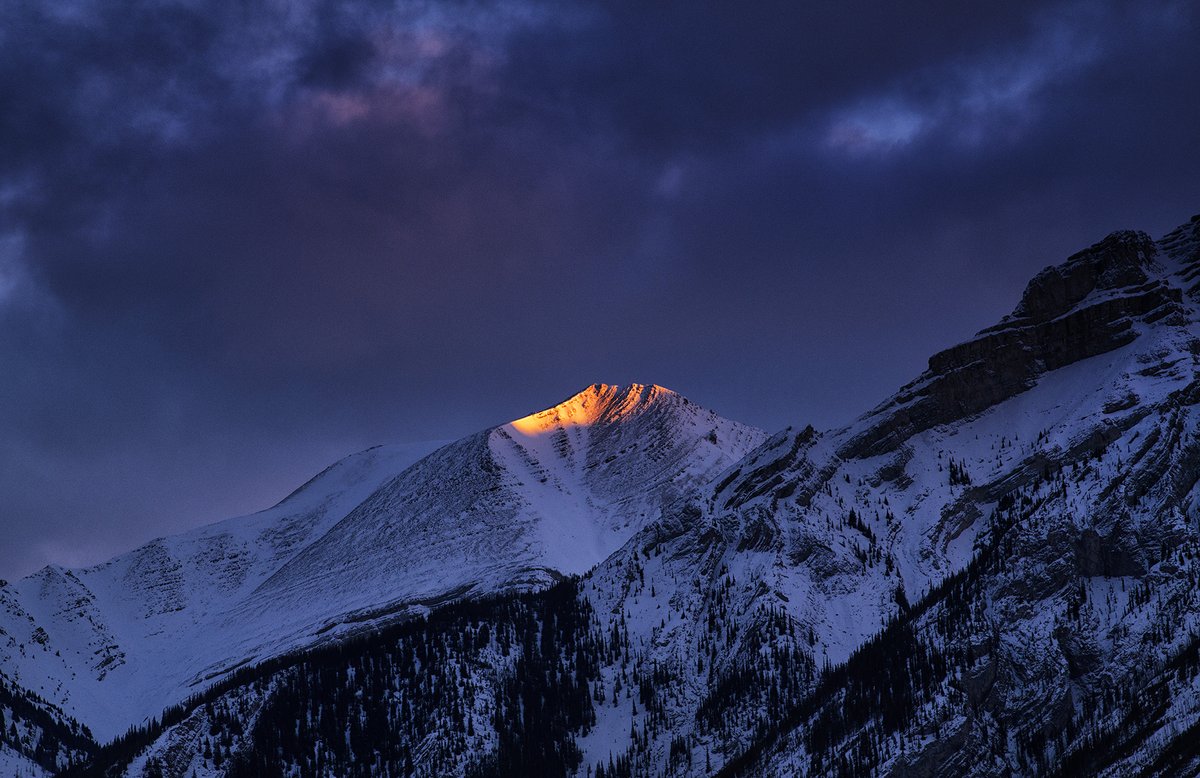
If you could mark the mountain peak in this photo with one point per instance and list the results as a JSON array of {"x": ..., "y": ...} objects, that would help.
[
  {"x": 1119, "y": 261},
  {"x": 598, "y": 403},
  {"x": 1098, "y": 300}
]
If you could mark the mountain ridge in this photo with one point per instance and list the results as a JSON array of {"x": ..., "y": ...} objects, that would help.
[
  {"x": 179, "y": 613},
  {"x": 995, "y": 571}
]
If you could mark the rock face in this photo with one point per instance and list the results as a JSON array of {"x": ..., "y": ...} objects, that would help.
[
  {"x": 1120, "y": 261},
  {"x": 1085, "y": 307}
]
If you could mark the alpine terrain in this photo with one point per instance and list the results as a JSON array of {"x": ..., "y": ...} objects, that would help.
[
  {"x": 383, "y": 535},
  {"x": 994, "y": 572}
]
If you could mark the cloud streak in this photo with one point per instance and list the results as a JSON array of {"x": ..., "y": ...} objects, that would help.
[{"x": 994, "y": 97}]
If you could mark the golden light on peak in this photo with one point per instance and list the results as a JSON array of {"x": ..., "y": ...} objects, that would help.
[{"x": 599, "y": 402}]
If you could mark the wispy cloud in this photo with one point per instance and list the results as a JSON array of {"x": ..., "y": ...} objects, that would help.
[{"x": 993, "y": 97}]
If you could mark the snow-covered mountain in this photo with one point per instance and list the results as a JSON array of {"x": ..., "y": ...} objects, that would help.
[
  {"x": 383, "y": 534},
  {"x": 994, "y": 572},
  {"x": 993, "y": 565}
]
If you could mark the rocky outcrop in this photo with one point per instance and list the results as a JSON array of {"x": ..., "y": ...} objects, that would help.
[
  {"x": 1085, "y": 307},
  {"x": 1097, "y": 555},
  {"x": 1117, "y": 262}
]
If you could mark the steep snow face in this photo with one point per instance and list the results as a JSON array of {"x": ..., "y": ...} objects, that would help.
[
  {"x": 380, "y": 535},
  {"x": 617, "y": 453}
]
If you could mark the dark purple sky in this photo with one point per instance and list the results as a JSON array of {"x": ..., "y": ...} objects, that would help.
[{"x": 236, "y": 244}]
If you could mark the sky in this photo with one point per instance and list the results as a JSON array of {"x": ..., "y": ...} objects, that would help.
[{"x": 239, "y": 240}]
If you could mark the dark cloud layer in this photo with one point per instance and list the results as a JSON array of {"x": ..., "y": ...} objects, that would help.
[{"x": 237, "y": 240}]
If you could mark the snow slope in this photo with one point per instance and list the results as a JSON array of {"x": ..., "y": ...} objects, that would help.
[{"x": 16, "y": 765}]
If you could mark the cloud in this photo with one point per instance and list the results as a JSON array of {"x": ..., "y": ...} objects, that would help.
[
  {"x": 708, "y": 73},
  {"x": 996, "y": 96},
  {"x": 237, "y": 240},
  {"x": 879, "y": 125}
]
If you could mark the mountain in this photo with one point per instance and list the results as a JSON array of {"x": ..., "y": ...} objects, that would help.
[
  {"x": 994, "y": 572},
  {"x": 381, "y": 535},
  {"x": 1066, "y": 641},
  {"x": 988, "y": 574}
]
